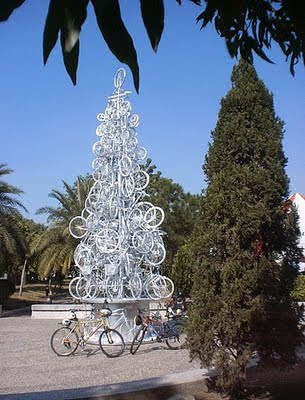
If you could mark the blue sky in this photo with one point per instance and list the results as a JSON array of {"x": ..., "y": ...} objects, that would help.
[{"x": 48, "y": 125}]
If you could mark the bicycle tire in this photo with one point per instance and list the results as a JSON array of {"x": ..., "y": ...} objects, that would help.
[
  {"x": 111, "y": 343},
  {"x": 178, "y": 339},
  {"x": 136, "y": 287},
  {"x": 72, "y": 287},
  {"x": 78, "y": 227},
  {"x": 155, "y": 287},
  {"x": 125, "y": 165},
  {"x": 82, "y": 287},
  {"x": 169, "y": 287},
  {"x": 157, "y": 254},
  {"x": 114, "y": 287},
  {"x": 64, "y": 334},
  {"x": 137, "y": 340}
]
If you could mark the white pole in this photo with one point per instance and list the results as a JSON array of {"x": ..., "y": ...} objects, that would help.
[{"x": 22, "y": 278}]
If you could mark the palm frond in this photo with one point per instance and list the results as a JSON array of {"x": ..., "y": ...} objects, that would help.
[
  {"x": 8, "y": 204},
  {"x": 54, "y": 248},
  {"x": 4, "y": 170}
]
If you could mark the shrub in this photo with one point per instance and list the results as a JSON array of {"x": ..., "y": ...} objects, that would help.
[{"x": 298, "y": 293}]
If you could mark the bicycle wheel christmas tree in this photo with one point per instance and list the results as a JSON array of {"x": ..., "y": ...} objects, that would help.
[{"x": 121, "y": 248}]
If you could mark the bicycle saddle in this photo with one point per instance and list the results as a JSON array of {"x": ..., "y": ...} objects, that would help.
[
  {"x": 105, "y": 312},
  {"x": 66, "y": 322}
]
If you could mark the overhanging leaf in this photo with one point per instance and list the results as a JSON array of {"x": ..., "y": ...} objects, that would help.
[
  {"x": 116, "y": 36},
  {"x": 197, "y": 2},
  {"x": 67, "y": 18},
  {"x": 54, "y": 22},
  {"x": 232, "y": 46},
  {"x": 207, "y": 15},
  {"x": 71, "y": 57},
  {"x": 258, "y": 50},
  {"x": 153, "y": 17},
  {"x": 75, "y": 16},
  {"x": 7, "y": 7}
]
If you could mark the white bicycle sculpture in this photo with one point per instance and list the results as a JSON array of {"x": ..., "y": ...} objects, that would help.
[{"x": 121, "y": 247}]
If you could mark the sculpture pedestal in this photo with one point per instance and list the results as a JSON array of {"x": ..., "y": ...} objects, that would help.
[{"x": 123, "y": 315}]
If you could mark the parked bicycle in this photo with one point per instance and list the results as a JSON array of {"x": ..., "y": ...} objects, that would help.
[
  {"x": 170, "y": 332},
  {"x": 76, "y": 332}
]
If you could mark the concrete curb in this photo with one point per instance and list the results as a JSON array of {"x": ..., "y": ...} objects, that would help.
[
  {"x": 115, "y": 391},
  {"x": 58, "y": 310}
]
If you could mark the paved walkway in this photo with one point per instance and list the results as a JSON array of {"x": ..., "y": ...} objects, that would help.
[{"x": 27, "y": 363}]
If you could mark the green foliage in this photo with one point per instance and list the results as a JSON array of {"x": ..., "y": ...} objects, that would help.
[
  {"x": 180, "y": 209},
  {"x": 30, "y": 228},
  {"x": 54, "y": 248},
  {"x": 298, "y": 293},
  {"x": 31, "y": 231},
  {"x": 245, "y": 244},
  {"x": 252, "y": 26},
  {"x": 183, "y": 268},
  {"x": 13, "y": 244},
  {"x": 246, "y": 26}
]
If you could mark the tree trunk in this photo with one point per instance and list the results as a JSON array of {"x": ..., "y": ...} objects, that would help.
[
  {"x": 23, "y": 278},
  {"x": 50, "y": 286}
]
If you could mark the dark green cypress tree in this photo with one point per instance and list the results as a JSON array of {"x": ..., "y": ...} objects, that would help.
[{"x": 246, "y": 253}]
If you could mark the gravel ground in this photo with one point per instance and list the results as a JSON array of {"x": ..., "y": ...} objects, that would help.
[{"x": 27, "y": 363}]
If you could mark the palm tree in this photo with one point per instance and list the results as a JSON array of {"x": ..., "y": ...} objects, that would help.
[
  {"x": 54, "y": 248},
  {"x": 13, "y": 244}
]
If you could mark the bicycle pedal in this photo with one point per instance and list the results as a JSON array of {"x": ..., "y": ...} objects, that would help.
[{"x": 159, "y": 339}]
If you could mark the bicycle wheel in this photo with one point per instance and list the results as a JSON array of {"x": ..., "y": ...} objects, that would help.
[
  {"x": 142, "y": 241},
  {"x": 155, "y": 287},
  {"x": 125, "y": 165},
  {"x": 64, "y": 341},
  {"x": 176, "y": 336},
  {"x": 114, "y": 287},
  {"x": 169, "y": 287},
  {"x": 107, "y": 240},
  {"x": 138, "y": 339},
  {"x": 136, "y": 287},
  {"x": 82, "y": 288},
  {"x": 111, "y": 343},
  {"x": 157, "y": 254},
  {"x": 154, "y": 216},
  {"x": 72, "y": 287},
  {"x": 78, "y": 227}
]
